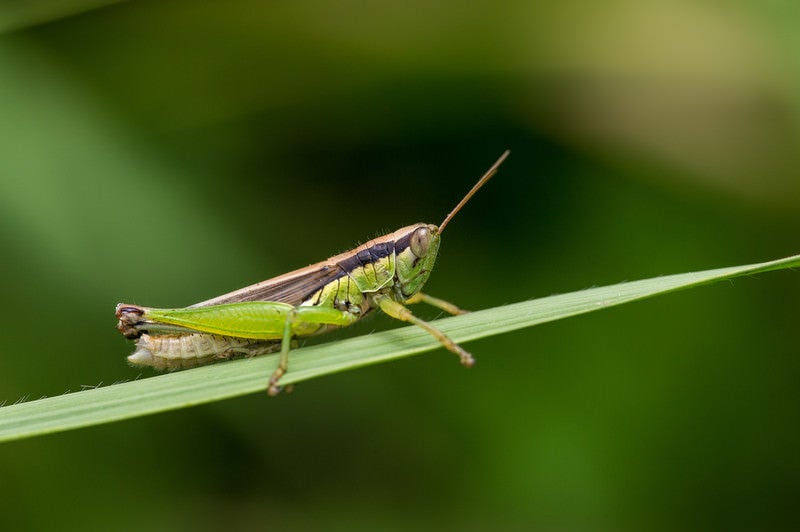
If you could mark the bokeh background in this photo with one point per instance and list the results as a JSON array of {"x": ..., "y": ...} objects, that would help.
[{"x": 166, "y": 152}]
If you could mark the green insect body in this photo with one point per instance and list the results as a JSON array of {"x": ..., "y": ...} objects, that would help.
[{"x": 386, "y": 273}]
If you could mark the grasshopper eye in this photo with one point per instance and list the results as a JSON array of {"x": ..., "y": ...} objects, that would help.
[{"x": 420, "y": 242}]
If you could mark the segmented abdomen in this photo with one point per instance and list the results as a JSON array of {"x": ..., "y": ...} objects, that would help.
[{"x": 183, "y": 351}]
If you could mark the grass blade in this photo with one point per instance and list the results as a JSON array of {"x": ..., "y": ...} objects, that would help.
[{"x": 230, "y": 379}]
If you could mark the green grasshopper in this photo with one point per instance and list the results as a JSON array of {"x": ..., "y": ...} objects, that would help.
[{"x": 386, "y": 273}]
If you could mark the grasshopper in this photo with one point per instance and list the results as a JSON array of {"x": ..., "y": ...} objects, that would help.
[{"x": 386, "y": 273}]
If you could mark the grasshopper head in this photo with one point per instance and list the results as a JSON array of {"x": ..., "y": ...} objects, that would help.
[
  {"x": 416, "y": 246},
  {"x": 415, "y": 249}
]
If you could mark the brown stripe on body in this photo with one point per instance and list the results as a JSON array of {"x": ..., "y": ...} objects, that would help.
[{"x": 297, "y": 286}]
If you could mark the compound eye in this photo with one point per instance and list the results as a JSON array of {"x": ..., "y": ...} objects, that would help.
[{"x": 420, "y": 241}]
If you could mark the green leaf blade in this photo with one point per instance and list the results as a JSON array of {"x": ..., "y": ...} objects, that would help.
[{"x": 235, "y": 378}]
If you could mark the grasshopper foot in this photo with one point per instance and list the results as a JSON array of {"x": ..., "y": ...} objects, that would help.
[
  {"x": 272, "y": 388},
  {"x": 464, "y": 356}
]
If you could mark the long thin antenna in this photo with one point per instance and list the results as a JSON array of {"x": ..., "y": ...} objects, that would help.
[{"x": 482, "y": 181}]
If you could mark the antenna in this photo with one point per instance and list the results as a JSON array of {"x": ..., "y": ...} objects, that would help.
[{"x": 482, "y": 181}]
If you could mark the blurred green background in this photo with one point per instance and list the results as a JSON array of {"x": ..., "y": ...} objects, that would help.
[{"x": 163, "y": 153}]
